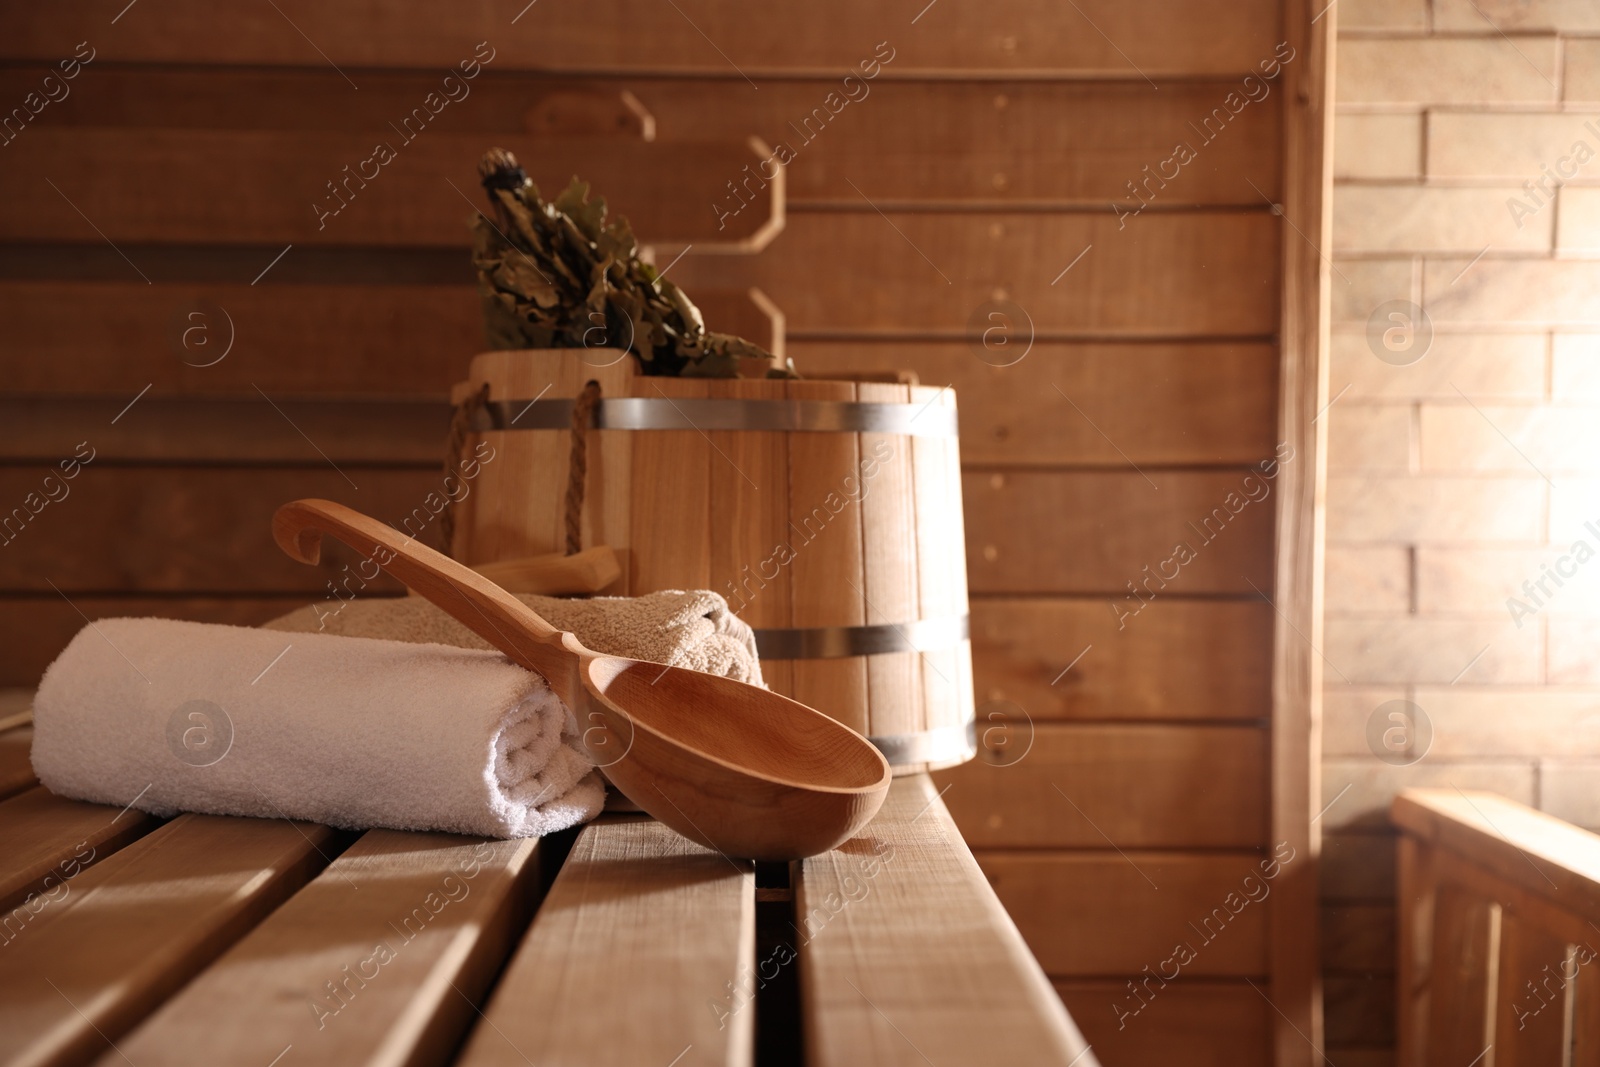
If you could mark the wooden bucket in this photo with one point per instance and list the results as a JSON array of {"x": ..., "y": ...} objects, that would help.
[{"x": 827, "y": 513}]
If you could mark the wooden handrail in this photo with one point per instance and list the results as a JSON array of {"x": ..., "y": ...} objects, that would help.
[
  {"x": 1540, "y": 853},
  {"x": 1499, "y": 919}
]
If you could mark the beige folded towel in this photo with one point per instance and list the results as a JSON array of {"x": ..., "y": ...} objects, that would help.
[{"x": 685, "y": 629}]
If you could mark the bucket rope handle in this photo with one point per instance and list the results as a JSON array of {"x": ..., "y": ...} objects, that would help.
[
  {"x": 578, "y": 463},
  {"x": 455, "y": 444},
  {"x": 461, "y": 422}
]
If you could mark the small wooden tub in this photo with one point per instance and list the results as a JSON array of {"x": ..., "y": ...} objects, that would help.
[{"x": 828, "y": 513}]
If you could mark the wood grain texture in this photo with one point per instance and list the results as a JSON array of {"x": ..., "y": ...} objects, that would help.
[
  {"x": 16, "y": 768},
  {"x": 677, "y": 465},
  {"x": 328, "y": 188},
  {"x": 1182, "y": 404},
  {"x": 400, "y": 340},
  {"x": 1115, "y": 534},
  {"x": 749, "y": 517},
  {"x": 1093, "y": 914},
  {"x": 826, "y": 38},
  {"x": 891, "y": 565},
  {"x": 1068, "y": 786},
  {"x": 244, "y": 430},
  {"x": 1297, "y": 582},
  {"x": 142, "y": 923},
  {"x": 1534, "y": 851},
  {"x": 35, "y": 628},
  {"x": 896, "y": 927},
  {"x": 196, "y": 529},
  {"x": 46, "y": 841},
  {"x": 820, "y": 594},
  {"x": 997, "y": 143},
  {"x": 380, "y": 959},
  {"x": 991, "y": 141},
  {"x": 1183, "y": 274},
  {"x": 675, "y": 955},
  {"x": 1177, "y": 659},
  {"x": 1196, "y": 1023}
]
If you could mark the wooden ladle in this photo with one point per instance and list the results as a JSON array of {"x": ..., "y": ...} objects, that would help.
[{"x": 732, "y": 766}]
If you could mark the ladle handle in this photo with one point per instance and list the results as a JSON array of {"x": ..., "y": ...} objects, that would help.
[{"x": 468, "y": 597}]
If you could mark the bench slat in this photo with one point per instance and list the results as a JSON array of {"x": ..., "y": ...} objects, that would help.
[
  {"x": 144, "y": 921},
  {"x": 379, "y": 960},
  {"x": 629, "y": 958},
  {"x": 906, "y": 953},
  {"x": 16, "y": 768},
  {"x": 46, "y": 841}
]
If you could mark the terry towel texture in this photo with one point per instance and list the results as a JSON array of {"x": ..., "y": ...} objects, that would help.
[
  {"x": 166, "y": 716},
  {"x": 693, "y": 630}
]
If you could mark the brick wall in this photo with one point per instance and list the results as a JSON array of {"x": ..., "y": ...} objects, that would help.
[{"x": 1467, "y": 183}]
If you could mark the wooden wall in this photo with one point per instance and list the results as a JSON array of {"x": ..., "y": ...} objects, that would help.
[{"x": 1125, "y": 792}]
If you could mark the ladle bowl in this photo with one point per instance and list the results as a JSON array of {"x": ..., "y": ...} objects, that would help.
[{"x": 733, "y": 766}]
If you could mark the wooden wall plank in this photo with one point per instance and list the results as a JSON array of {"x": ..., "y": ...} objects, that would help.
[
  {"x": 1097, "y": 531},
  {"x": 1093, "y": 914},
  {"x": 16, "y": 768},
  {"x": 1202, "y": 404},
  {"x": 316, "y": 188},
  {"x": 996, "y": 142},
  {"x": 1177, "y": 659},
  {"x": 894, "y": 927},
  {"x": 642, "y": 917},
  {"x": 1162, "y": 275},
  {"x": 94, "y": 965},
  {"x": 1197, "y": 403},
  {"x": 333, "y": 339},
  {"x": 382, "y": 957},
  {"x": 1195, "y": 1023},
  {"x": 1135, "y": 40},
  {"x": 194, "y": 529},
  {"x": 234, "y": 430},
  {"x": 1140, "y": 786},
  {"x": 388, "y": 340},
  {"x": 46, "y": 841},
  {"x": 34, "y": 628}
]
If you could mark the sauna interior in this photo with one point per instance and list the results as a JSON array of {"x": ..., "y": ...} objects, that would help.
[{"x": 1160, "y": 434}]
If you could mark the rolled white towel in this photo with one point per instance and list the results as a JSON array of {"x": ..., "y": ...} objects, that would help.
[{"x": 169, "y": 716}]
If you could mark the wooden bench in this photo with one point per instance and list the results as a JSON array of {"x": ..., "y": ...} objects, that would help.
[
  {"x": 211, "y": 940},
  {"x": 1499, "y": 926}
]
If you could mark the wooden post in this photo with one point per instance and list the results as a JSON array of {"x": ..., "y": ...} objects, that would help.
[{"x": 1297, "y": 666}]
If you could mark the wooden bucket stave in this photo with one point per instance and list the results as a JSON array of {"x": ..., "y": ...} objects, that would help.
[{"x": 822, "y": 540}]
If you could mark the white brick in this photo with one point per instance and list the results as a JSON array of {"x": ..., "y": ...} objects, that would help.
[
  {"x": 1434, "y": 70},
  {"x": 1359, "y": 286},
  {"x": 1567, "y": 790},
  {"x": 1578, "y": 228},
  {"x": 1371, "y": 437},
  {"x": 1345, "y": 711},
  {"x": 1374, "y": 784},
  {"x": 1542, "y": 439},
  {"x": 1368, "y": 578},
  {"x": 1436, "y": 509},
  {"x": 1431, "y": 219},
  {"x": 1377, "y": 146},
  {"x": 1575, "y": 366},
  {"x": 1415, "y": 649},
  {"x": 1512, "y": 292},
  {"x": 1516, "y": 148},
  {"x": 1515, "y": 16},
  {"x": 1480, "y": 365},
  {"x": 1383, "y": 15},
  {"x": 1460, "y": 580},
  {"x": 1506, "y": 721}
]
